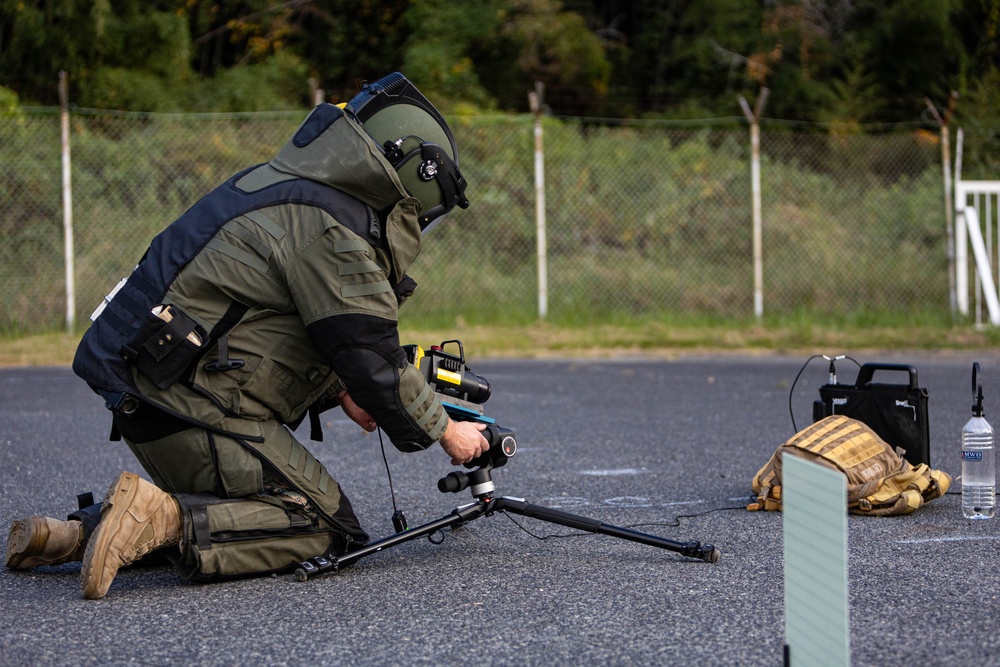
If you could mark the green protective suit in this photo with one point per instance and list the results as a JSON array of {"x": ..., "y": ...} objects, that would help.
[{"x": 286, "y": 304}]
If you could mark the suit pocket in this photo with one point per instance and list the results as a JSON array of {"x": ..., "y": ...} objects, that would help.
[{"x": 166, "y": 346}]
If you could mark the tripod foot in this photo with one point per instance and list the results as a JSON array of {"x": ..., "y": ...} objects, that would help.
[
  {"x": 712, "y": 556},
  {"x": 705, "y": 552},
  {"x": 314, "y": 566}
]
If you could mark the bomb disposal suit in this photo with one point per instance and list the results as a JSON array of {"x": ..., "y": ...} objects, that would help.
[{"x": 265, "y": 302}]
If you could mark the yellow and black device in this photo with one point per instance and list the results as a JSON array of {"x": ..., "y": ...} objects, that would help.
[{"x": 447, "y": 372}]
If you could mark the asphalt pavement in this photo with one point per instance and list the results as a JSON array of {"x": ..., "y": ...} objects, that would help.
[{"x": 666, "y": 447}]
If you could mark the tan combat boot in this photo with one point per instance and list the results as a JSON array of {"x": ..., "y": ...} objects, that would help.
[
  {"x": 42, "y": 540},
  {"x": 136, "y": 518}
]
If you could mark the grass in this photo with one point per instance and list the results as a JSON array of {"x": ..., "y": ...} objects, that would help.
[{"x": 647, "y": 339}]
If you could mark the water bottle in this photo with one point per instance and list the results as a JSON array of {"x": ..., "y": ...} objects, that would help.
[{"x": 979, "y": 475}]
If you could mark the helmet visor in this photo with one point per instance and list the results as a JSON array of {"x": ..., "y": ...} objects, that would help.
[{"x": 416, "y": 141}]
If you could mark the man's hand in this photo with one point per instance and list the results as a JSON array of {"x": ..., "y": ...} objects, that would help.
[
  {"x": 463, "y": 441},
  {"x": 356, "y": 412}
]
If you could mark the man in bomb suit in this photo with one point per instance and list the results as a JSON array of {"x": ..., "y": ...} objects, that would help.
[{"x": 275, "y": 296}]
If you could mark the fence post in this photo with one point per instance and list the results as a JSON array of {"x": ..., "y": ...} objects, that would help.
[
  {"x": 67, "y": 192},
  {"x": 317, "y": 94},
  {"x": 961, "y": 235},
  {"x": 535, "y": 100},
  {"x": 949, "y": 221},
  {"x": 758, "y": 261}
]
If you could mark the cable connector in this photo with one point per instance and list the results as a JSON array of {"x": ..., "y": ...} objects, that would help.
[{"x": 833, "y": 368}]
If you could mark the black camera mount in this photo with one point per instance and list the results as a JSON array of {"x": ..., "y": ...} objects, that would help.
[{"x": 503, "y": 446}]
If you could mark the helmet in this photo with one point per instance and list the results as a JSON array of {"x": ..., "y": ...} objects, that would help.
[{"x": 416, "y": 141}]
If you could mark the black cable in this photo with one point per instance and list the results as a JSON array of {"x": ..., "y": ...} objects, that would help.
[
  {"x": 677, "y": 519},
  {"x": 388, "y": 473},
  {"x": 676, "y": 523},
  {"x": 791, "y": 392}
]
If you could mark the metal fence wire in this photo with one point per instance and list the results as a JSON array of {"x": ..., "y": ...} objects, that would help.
[{"x": 644, "y": 220}]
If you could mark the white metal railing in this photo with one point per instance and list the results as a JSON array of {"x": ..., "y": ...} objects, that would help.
[
  {"x": 985, "y": 284},
  {"x": 977, "y": 225}
]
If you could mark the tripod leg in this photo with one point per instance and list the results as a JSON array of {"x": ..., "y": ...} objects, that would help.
[
  {"x": 706, "y": 552},
  {"x": 322, "y": 564}
]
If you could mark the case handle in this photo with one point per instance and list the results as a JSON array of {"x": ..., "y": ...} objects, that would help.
[{"x": 868, "y": 370}]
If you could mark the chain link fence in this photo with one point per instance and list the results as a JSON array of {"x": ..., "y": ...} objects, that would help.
[{"x": 645, "y": 220}]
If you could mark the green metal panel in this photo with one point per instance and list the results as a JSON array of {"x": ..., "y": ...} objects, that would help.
[{"x": 817, "y": 620}]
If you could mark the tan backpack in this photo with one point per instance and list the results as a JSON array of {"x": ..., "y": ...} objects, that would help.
[{"x": 880, "y": 482}]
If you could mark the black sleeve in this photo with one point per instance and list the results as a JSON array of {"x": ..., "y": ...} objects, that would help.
[{"x": 365, "y": 353}]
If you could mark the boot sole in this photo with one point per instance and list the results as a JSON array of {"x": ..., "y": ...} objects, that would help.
[
  {"x": 25, "y": 541},
  {"x": 117, "y": 500}
]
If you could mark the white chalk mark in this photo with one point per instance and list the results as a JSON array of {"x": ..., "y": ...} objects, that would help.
[{"x": 927, "y": 540}]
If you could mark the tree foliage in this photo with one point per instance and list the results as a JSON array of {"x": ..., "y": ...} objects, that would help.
[{"x": 843, "y": 61}]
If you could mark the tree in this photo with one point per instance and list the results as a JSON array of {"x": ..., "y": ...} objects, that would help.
[
  {"x": 913, "y": 51},
  {"x": 446, "y": 68},
  {"x": 138, "y": 54},
  {"x": 684, "y": 58},
  {"x": 346, "y": 41},
  {"x": 850, "y": 61},
  {"x": 978, "y": 25},
  {"x": 554, "y": 46},
  {"x": 38, "y": 39}
]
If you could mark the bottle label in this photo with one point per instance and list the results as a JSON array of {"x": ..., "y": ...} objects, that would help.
[{"x": 972, "y": 456}]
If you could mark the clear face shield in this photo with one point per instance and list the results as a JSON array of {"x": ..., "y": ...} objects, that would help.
[{"x": 432, "y": 224}]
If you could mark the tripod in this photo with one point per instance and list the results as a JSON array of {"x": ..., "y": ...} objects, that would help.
[{"x": 480, "y": 481}]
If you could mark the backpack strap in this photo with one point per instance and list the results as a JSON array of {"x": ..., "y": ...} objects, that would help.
[{"x": 906, "y": 491}]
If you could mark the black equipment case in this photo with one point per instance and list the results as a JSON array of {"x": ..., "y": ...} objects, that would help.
[{"x": 896, "y": 412}]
